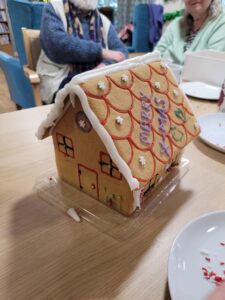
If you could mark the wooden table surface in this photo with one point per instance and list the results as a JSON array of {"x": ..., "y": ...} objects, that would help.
[{"x": 44, "y": 254}]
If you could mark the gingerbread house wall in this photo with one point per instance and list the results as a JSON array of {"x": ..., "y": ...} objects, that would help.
[{"x": 83, "y": 162}]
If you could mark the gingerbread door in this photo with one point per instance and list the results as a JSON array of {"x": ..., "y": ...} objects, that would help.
[{"x": 88, "y": 180}]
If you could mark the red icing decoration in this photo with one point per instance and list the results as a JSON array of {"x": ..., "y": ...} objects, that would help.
[
  {"x": 164, "y": 94},
  {"x": 91, "y": 170},
  {"x": 103, "y": 157},
  {"x": 65, "y": 139}
]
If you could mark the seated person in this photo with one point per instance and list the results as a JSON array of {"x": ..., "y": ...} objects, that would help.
[
  {"x": 74, "y": 38},
  {"x": 201, "y": 27}
]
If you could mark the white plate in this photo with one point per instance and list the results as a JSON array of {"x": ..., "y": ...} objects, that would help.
[
  {"x": 185, "y": 275},
  {"x": 213, "y": 130},
  {"x": 200, "y": 90}
]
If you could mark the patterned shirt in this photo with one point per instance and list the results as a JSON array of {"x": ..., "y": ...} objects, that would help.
[{"x": 189, "y": 39}]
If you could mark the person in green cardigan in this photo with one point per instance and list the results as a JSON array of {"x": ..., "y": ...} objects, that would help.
[{"x": 202, "y": 26}]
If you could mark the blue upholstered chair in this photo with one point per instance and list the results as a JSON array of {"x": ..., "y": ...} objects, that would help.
[
  {"x": 140, "y": 41},
  {"x": 19, "y": 86},
  {"x": 22, "y": 13},
  {"x": 142, "y": 23}
]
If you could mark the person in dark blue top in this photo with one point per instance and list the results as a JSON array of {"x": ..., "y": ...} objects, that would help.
[{"x": 74, "y": 38}]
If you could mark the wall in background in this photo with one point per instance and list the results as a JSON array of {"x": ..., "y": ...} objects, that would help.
[{"x": 123, "y": 9}]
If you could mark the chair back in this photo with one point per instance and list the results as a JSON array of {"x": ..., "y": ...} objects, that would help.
[
  {"x": 19, "y": 86},
  {"x": 23, "y": 13},
  {"x": 143, "y": 23},
  {"x": 32, "y": 46},
  {"x": 140, "y": 40},
  {"x": 32, "y": 51}
]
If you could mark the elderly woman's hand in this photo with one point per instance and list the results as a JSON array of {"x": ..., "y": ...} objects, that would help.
[{"x": 114, "y": 55}]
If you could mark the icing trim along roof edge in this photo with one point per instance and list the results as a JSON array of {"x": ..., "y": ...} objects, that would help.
[
  {"x": 58, "y": 108},
  {"x": 101, "y": 131},
  {"x": 73, "y": 87}
]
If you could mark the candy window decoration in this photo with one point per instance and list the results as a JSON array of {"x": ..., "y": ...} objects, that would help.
[
  {"x": 65, "y": 145},
  {"x": 82, "y": 122},
  {"x": 108, "y": 167}
]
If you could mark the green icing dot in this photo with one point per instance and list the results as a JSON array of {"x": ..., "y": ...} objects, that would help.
[{"x": 180, "y": 114}]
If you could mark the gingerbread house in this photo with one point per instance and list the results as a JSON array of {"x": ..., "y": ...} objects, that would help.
[{"x": 118, "y": 130}]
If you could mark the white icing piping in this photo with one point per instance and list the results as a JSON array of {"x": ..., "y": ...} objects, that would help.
[
  {"x": 56, "y": 112},
  {"x": 58, "y": 107},
  {"x": 137, "y": 199},
  {"x": 105, "y": 137},
  {"x": 73, "y": 214}
]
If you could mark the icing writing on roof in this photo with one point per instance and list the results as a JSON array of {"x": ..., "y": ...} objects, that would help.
[
  {"x": 145, "y": 120},
  {"x": 162, "y": 118},
  {"x": 145, "y": 124}
]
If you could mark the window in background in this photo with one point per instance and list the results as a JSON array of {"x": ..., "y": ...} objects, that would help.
[
  {"x": 124, "y": 14},
  {"x": 112, "y": 3},
  {"x": 109, "y": 9}
]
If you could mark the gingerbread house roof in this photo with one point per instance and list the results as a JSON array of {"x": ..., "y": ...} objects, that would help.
[{"x": 137, "y": 109}]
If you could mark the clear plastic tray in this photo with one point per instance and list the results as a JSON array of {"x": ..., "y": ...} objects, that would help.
[{"x": 64, "y": 197}]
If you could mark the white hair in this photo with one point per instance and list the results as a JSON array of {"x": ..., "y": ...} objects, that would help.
[
  {"x": 215, "y": 8},
  {"x": 85, "y": 4}
]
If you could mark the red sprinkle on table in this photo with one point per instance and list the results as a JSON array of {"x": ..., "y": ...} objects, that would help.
[
  {"x": 212, "y": 276},
  {"x": 218, "y": 278}
]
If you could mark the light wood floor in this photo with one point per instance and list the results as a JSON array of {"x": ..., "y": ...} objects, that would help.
[{"x": 6, "y": 105}]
